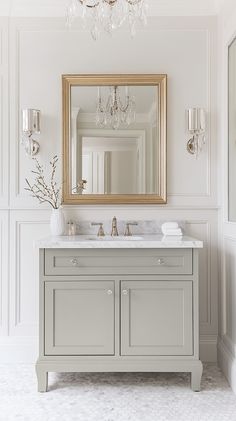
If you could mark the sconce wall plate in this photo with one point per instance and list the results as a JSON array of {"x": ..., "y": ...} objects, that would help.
[
  {"x": 197, "y": 127},
  {"x": 191, "y": 146},
  {"x": 30, "y": 126}
]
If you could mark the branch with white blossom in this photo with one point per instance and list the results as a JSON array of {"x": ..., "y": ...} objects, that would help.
[{"x": 45, "y": 192}]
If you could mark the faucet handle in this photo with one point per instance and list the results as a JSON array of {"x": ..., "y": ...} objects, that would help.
[
  {"x": 128, "y": 233},
  {"x": 101, "y": 232}
]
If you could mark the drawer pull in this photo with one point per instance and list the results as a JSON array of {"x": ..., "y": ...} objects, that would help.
[
  {"x": 74, "y": 262},
  {"x": 125, "y": 292},
  {"x": 160, "y": 262},
  {"x": 109, "y": 292}
]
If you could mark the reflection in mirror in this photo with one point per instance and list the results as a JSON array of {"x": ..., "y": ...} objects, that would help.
[
  {"x": 232, "y": 130},
  {"x": 113, "y": 110},
  {"x": 114, "y": 140}
]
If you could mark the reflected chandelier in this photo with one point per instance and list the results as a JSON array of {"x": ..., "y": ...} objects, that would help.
[
  {"x": 114, "y": 113},
  {"x": 107, "y": 15}
]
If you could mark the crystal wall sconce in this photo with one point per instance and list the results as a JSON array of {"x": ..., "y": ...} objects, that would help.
[
  {"x": 30, "y": 126},
  {"x": 197, "y": 127}
]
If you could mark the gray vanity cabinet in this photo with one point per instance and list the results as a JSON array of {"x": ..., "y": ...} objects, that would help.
[
  {"x": 80, "y": 318},
  {"x": 119, "y": 310},
  {"x": 156, "y": 318}
]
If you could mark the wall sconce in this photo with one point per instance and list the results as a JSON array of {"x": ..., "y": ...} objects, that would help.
[
  {"x": 197, "y": 127},
  {"x": 30, "y": 125}
]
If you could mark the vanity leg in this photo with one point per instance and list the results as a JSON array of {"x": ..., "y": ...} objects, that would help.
[
  {"x": 196, "y": 375},
  {"x": 42, "y": 377}
]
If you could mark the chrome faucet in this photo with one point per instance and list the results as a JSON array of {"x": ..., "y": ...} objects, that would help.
[{"x": 114, "y": 230}]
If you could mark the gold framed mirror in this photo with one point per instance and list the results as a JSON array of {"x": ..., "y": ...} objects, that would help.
[{"x": 114, "y": 139}]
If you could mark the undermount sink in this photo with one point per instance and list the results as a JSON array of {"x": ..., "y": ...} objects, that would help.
[{"x": 119, "y": 238}]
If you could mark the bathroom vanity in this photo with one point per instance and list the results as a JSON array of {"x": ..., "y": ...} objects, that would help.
[{"x": 119, "y": 304}]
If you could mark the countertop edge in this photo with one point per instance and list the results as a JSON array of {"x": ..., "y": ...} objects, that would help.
[{"x": 80, "y": 242}]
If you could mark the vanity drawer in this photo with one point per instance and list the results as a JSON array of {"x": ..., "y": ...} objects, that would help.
[{"x": 118, "y": 261}]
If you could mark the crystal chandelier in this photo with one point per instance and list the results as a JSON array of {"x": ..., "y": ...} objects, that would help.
[
  {"x": 114, "y": 113},
  {"x": 107, "y": 15}
]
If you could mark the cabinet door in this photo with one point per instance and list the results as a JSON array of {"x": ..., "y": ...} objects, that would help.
[
  {"x": 79, "y": 318},
  {"x": 156, "y": 318}
]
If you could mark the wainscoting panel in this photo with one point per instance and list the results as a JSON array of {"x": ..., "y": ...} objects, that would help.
[
  {"x": 227, "y": 338},
  {"x": 30, "y": 225},
  {"x": 4, "y": 292},
  {"x": 26, "y": 228},
  {"x": 208, "y": 273},
  {"x": 4, "y": 144}
]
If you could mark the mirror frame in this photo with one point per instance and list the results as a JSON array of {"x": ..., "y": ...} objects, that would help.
[{"x": 159, "y": 80}]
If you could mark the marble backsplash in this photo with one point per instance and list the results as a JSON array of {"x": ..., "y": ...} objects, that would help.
[{"x": 143, "y": 227}]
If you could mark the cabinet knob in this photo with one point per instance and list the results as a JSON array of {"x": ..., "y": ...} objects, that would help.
[
  {"x": 109, "y": 292},
  {"x": 125, "y": 292},
  {"x": 160, "y": 261},
  {"x": 74, "y": 261}
]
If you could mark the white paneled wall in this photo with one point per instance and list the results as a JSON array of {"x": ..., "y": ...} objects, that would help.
[
  {"x": 4, "y": 122},
  {"x": 227, "y": 290},
  {"x": 26, "y": 227},
  {"x": 40, "y": 51},
  {"x": 156, "y": 7},
  {"x": 4, "y": 180},
  {"x": 4, "y": 251}
]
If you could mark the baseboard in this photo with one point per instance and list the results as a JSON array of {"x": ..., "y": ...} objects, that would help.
[
  {"x": 227, "y": 362},
  {"x": 16, "y": 349},
  {"x": 208, "y": 348}
]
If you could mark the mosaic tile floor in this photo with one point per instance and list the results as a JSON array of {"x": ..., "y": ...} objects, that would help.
[{"x": 114, "y": 397}]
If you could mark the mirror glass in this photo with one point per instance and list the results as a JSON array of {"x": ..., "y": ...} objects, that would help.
[
  {"x": 232, "y": 130},
  {"x": 114, "y": 146},
  {"x": 111, "y": 154}
]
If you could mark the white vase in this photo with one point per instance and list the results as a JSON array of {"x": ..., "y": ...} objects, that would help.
[{"x": 57, "y": 222}]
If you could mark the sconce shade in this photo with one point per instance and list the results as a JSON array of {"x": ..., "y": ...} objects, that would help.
[
  {"x": 31, "y": 121},
  {"x": 196, "y": 120}
]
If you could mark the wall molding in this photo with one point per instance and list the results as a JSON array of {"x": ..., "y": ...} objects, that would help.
[
  {"x": 4, "y": 113},
  {"x": 207, "y": 244},
  {"x": 15, "y": 349},
  {"x": 227, "y": 363},
  {"x": 4, "y": 260},
  {"x": 21, "y": 25},
  {"x": 210, "y": 325},
  {"x": 208, "y": 186},
  {"x": 167, "y": 207},
  {"x": 18, "y": 324},
  {"x": 156, "y": 8},
  {"x": 208, "y": 348},
  {"x": 1, "y": 136},
  {"x": 228, "y": 242},
  {"x": 19, "y": 220},
  {"x": 226, "y": 347},
  {"x": 14, "y": 111},
  {"x": 229, "y": 345}
]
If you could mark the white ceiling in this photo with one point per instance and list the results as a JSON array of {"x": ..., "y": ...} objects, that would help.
[{"x": 56, "y": 8}]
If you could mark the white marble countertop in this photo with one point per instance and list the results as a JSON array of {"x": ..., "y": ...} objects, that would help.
[{"x": 136, "y": 241}]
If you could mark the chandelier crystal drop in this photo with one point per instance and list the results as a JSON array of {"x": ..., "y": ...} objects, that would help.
[
  {"x": 107, "y": 15},
  {"x": 114, "y": 112}
]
